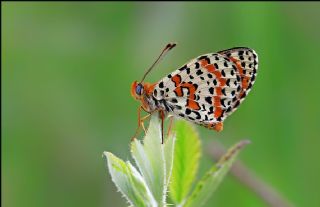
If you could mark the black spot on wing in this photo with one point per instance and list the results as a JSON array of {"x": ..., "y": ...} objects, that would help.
[
  {"x": 223, "y": 73},
  {"x": 183, "y": 68},
  {"x": 208, "y": 99},
  {"x": 211, "y": 90},
  {"x": 155, "y": 92},
  {"x": 199, "y": 72},
  {"x": 191, "y": 118},
  {"x": 204, "y": 57},
  {"x": 188, "y": 70},
  {"x": 197, "y": 114},
  {"x": 215, "y": 81},
  {"x": 222, "y": 102},
  {"x": 210, "y": 110},
  {"x": 174, "y": 100},
  {"x": 224, "y": 91},
  {"x": 177, "y": 107},
  {"x": 228, "y": 82}
]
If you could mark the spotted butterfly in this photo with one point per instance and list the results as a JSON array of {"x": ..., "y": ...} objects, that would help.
[{"x": 204, "y": 91}]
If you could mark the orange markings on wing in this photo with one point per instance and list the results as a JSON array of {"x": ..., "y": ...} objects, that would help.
[
  {"x": 245, "y": 82},
  {"x": 217, "y": 112},
  {"x": 222, "y": 82},
  {"x": 194, "y": 105},
  {"x": 178, "y": 91},
  {"x": 210, "y": 68},
  {"x": 217, "y": 106},
  {"x": 237, "y": 62},
  {"x": 245, "y": 79},
  {"x": 216, "y": 101},
  {"x": 219, "y": 91},
  {"x": 218, "y": 126},
  {"x": 176, "y": 79},
  {"x": 191, "y": 88}
]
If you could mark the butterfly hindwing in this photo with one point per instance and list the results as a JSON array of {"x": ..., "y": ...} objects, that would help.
[{"x": 246, "y": 60}]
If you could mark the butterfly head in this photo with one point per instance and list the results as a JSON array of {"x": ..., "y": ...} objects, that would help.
[{"x": 137, "y": 90}]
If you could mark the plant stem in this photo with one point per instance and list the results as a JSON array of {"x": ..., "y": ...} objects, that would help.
[{"x": 266, "y": 192}]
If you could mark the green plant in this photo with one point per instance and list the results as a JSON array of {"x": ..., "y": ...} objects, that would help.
[{"x": 169, "y": 167}]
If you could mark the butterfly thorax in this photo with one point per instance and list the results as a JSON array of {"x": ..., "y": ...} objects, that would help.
[{"x": 150, "y": 103}]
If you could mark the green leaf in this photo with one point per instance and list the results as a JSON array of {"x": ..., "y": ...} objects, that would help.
[
  {"x": 211, "y": 180},
  {"x": 150, "y": 160},
  {"x": 129, "y": 181},
  {"x": 186, "y": 161}
]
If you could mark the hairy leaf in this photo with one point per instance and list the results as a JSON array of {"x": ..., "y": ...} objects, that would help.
[
  {"x": 129, "y": 181},
  {"x": 211, "y": 180},
  {"x": 150, "y": 160}
]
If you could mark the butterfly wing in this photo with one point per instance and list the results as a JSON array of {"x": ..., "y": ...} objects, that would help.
[
  {"x": 246, "y": 61},
  {"x": 210, "y": 87}
]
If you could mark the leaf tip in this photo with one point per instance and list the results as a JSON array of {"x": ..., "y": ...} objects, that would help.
[
  {"x": 243, "y": 143},
  {"x": 105, "y": 154}
]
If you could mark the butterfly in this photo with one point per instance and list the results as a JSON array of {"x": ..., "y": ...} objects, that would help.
[{"x": 206, "y": 90}]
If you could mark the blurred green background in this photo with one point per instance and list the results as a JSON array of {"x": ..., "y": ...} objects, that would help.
[{"x": 66, "y": 75}]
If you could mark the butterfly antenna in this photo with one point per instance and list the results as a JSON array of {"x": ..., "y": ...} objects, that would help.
[{"x": 163, "y": 53}]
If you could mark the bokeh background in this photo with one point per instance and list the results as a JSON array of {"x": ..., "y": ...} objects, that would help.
[{"x": 66, "y": 75}]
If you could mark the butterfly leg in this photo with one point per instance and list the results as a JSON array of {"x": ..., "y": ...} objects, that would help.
[
  {"x": 140, "y": 123},
  {"x": 170, "y": 125}
]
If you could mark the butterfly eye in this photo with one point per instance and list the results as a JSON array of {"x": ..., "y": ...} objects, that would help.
[{"x": 139, "y": 89}]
